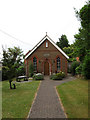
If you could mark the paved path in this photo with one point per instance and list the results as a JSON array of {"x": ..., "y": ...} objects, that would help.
[{"x": 47, "y": 104}]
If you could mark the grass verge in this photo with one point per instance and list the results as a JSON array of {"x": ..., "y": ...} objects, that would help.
[
  {"x": 74, "y": 97},
  {"x": 16, "y": 103}
]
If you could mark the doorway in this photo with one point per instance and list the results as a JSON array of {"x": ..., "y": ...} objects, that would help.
[{"x": 46, "y": 68}]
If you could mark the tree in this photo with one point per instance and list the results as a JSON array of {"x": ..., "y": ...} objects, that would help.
[
  {"x": 80, "y": 45},
  {"x": 12, "y": 60},
  {"x": 82, "y": 42},
  {"x": 63, "y": 42},
  {"x": 69, "y": 51},
  {"x": 86, "y": 67}
]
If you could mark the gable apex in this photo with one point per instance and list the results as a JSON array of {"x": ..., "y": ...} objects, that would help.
[{"x": 41, "y": 41}]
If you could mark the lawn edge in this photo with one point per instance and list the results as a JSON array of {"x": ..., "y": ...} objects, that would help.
[
  {"x": 33, "y": 100},
  {"x": 60, "y": 101}
]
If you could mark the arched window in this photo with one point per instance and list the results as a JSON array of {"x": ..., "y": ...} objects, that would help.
[
  {"x": 58, "y": 64},
  {"x": 46, "y": 44},
  {"x": 35, "y": 63}
]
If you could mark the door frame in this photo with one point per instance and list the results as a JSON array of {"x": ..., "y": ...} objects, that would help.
[
  {"x": 45, "y": 67},
  {"x": 49, "y": 66}
]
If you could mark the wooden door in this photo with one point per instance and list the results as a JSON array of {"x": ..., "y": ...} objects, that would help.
[{"x": 46, "y": 68}]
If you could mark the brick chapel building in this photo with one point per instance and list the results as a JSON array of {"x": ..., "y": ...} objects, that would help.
[{"x": 47, "y": 58}]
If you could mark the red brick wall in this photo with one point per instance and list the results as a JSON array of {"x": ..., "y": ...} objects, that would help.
[{"x": 51, "y": 53}]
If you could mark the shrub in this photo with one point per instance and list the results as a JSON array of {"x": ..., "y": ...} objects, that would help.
[
  {"x": 79, "y": 69},
  {"x": 51, "y": 76},
  {"x": 73, "y": 67},
  {"x": 58, "y": 76},
  {"x": 86, "y": 67},
  {"x": 62, "y": 74},
  {"x": 31, "y": 70},
  {"x": 38, "y": 76}
]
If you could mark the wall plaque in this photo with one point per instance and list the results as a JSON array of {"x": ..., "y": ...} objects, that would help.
[{"x": 46, "y": 55}]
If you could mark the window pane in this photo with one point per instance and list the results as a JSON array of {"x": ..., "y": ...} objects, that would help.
[
  {"x": 46, "y": 44},
  {"x": 58, "y": 64},
  {"x": 35, "y": 63}
]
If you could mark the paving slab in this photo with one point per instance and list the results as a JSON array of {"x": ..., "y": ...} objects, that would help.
[{"x": 47, "y": 104}]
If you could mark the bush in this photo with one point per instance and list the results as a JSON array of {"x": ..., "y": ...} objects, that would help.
[
  {"x": 51, "y": 76},
  {"x": 63, "y": 74},
  {"x": 79, "y": 69},
  {"x": 31, "y": 70},
  {"x": 58, "y": 76},
  {"x": 38, "y": 76},
  {"x": 86, "y": 67},
  {"x": 73, "y": 67}
]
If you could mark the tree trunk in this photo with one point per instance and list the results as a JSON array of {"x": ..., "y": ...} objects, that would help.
[{"x": 10, "y": 84}]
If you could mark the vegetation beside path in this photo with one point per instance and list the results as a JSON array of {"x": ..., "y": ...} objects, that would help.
[
  {"x": 16, "y": 103},
  {"x": 74, "y": 97}
]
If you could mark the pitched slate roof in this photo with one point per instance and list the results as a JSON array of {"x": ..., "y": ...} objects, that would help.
[{"x": 41, "y": 41}]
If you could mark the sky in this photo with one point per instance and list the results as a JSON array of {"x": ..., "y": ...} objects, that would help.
[{"x": 24, "y": 23}]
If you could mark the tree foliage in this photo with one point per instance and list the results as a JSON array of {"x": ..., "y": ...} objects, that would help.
[
  {"x": 78, "y": 69},
  {"x": 74, "y": 65},
  {"x": 12, "y": 63},
  {"x": 86, "y": 67},
  {"x": 63, "y": 42},
  {"x": 82, "y": 42},
  {"x": 69, "y": 51}
]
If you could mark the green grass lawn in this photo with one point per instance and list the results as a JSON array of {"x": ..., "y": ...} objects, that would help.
[
  {"x": 16, "y": 103},
  {"x": 74, "y": 97}
]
